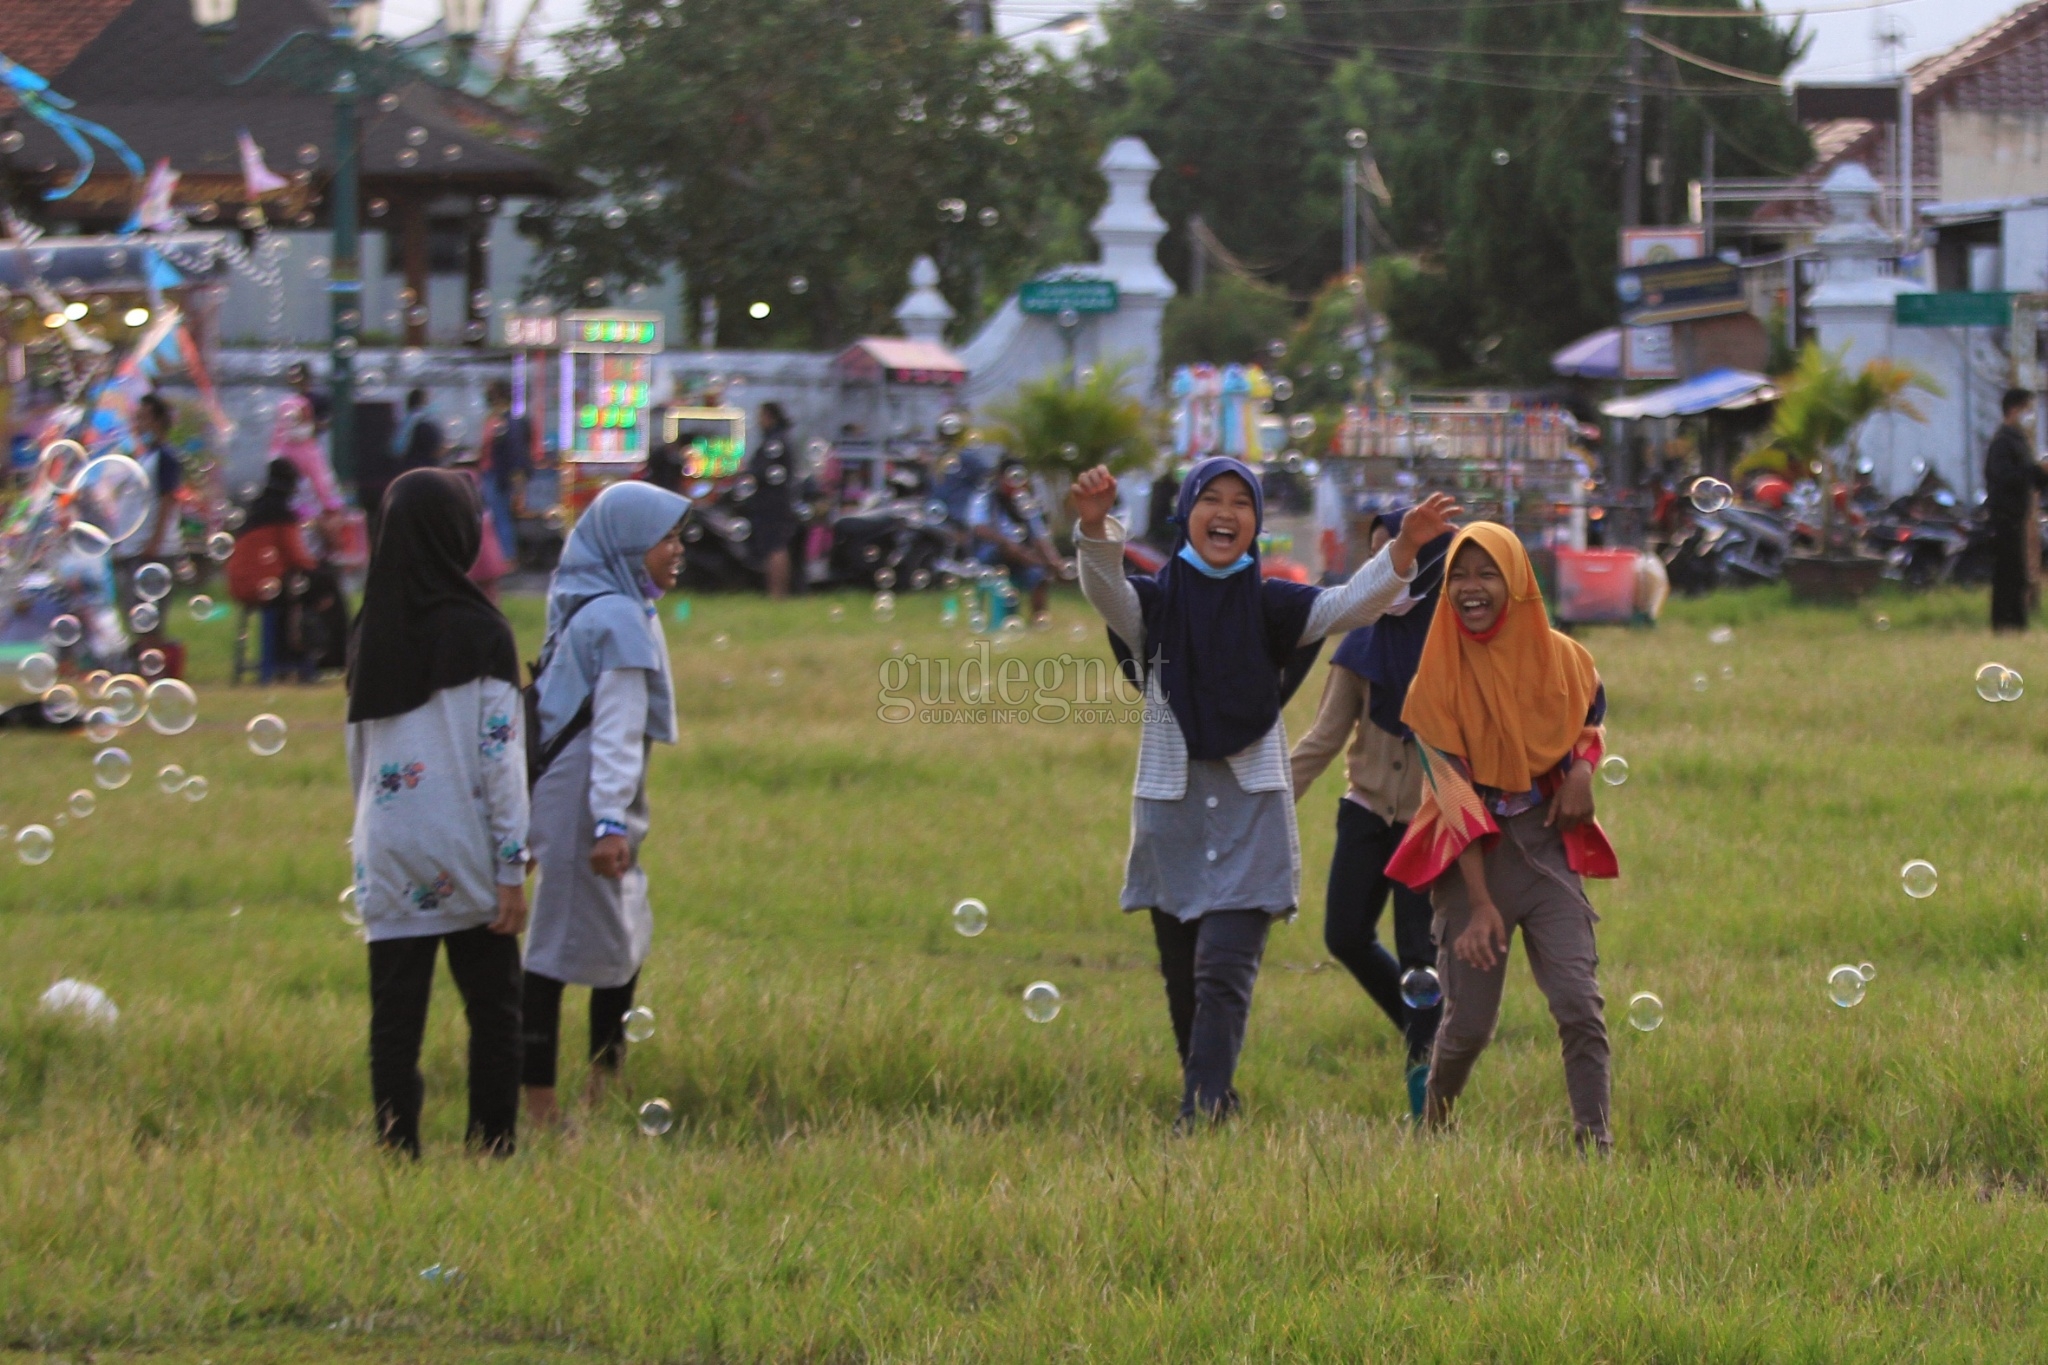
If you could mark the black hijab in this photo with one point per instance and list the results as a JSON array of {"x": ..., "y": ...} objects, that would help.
[
  {"x": 423, "y": 625},
  {"x": 1228, "y": 649},
  {"x": 273, "y": 506},
  {"x": 1387, "y": 652}
]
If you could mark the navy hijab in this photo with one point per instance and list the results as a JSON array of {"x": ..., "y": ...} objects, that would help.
[
  {"x": 1228, "y": 649},
  {"x": 1387, "y": 652}
]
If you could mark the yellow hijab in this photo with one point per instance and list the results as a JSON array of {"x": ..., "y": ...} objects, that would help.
[{"x": 1510, "y": 703}]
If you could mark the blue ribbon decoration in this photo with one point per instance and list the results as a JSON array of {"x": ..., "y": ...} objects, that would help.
[{"x": 49, "y": 108}]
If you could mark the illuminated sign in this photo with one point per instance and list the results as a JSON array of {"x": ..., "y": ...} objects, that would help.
[
  {"x": 531, "y": 333},
  {"x": 611, "y": 333}
]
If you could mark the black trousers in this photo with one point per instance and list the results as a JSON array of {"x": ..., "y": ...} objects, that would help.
[
  {"x": 1210, "y": 965},
  {"x": 486, "y": 971},
  {"x": 2008, "y": 576},
  {"x": 1359, "y": 886},
  {"x": 608, "y": 1006}
]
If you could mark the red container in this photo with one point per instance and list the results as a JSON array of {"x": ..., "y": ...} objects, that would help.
[{"x": 1595, "y": 586}]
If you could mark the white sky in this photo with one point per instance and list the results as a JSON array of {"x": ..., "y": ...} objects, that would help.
[{"x": 1845, "y": 42}]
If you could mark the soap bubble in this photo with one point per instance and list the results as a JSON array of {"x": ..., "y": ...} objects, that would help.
[
  {"x": 1868, "y": 970},
  {"x": 152, "y": 582},
  {"x": 1727, "y": 672},
  {"x": 1881, "y": 621},
  {"x": 111, "y": 768},
  {"x": 150, "y": 662},
  {"x": 1301, "y": 427},
  {"x": 1721, "y": 635},
  {"x": 721, "y": 641},
  {"x": 1420, "y": 989},
  {"x": 775, "y": 677},
  {"x": 86, "y": 540},
  {"x": 83, "y": 803},
  {"x": 173, "y": 706},
  {"x": 1276, "y": 11},
  {"x": 1041, "y": 1002},
  {"x": 201, "y": 607},
  {"x": 266, "y": 735},
  {"x": 127, "y": 697},
  {"x": 639, "y": 1024},
  {"x": 1283, "y": 387},
  {"x": 144, "y": 617},
  {"x": 219, "y": 546},
  {"x": 1990, "y": 681},
  {"x": 1614, "y": 770},
  {"x": 81, "y": 998},
  {"x": 194, "y": 789},
  {"x": 657, "y": 1117},
  {"x": 885, "y": 606},
  {"x": 970, "y": 917},
  {"x": 170, "y": 779},
  {"x": 1918, "y": 878},
  {"x": 1699, "y": 682},
  {"x": 835, "y": 612},
  {"x": 34, "y": 844},
  {"x": 1501, "y": 157},
  {"x": 37, "y": 673},
  {"x": 1710, "y": 495},
  {"x": 113, "y": 495},
  {"x": 885, "y": 578},
  {"x": 615, "y": 217},
  {"x": 1645, "y": 1012},
  {"x": 744, "y": 487},
  {"x": 1846, "y": 986},
  {"x": 65, "y": 631},
  {"x": 351, "y": 908},
  {"x": 61, "y": 704},
  {"x": 2011, "y": 687},
  {"x": 100, "y": 725}
]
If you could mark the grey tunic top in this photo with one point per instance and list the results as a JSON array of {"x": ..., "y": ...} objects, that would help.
[
  {"x": 586, "y": 929},
  {"x": 1215, "y": 834}
]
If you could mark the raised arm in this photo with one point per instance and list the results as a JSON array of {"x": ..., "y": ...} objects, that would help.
[
  {"x": 1380, "y": 583},
  {"x": 1099, "y": 555}
]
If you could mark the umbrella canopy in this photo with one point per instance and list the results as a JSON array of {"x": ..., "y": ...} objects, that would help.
[
  {"x": 1597, "y": 356},
  {"x": 1712, "y": 391}
]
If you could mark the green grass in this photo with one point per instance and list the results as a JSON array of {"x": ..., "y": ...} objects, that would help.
[{"x": 879, "y": 1158}]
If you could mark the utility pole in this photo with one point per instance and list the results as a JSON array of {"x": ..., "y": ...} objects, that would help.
[
  {"x": 1351, "y": 216},
  {"x": 1707, "y": 186},
  {"x": 1632, "y": 160}
]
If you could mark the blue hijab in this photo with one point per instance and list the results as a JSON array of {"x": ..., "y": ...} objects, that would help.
[
  {"x": 1227, "y": 643},
  {"x": 1387, "y": 652},
  {"x": 602, "y": 584}
]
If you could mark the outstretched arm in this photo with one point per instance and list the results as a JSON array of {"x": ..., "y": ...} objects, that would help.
[{"x": 1099, "y": 555}]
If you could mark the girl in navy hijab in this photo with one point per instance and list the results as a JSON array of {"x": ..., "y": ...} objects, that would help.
[
  {"x": 1217, "y": 650},
  {"x": 1361, "y": 706}
]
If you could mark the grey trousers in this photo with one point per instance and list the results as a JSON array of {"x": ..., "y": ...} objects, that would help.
[
  {"x": 1210, "y": 965},
  {"x": 1539, "y": 895}
]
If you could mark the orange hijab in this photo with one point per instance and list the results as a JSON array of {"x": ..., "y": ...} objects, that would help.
[{"x": 1514, "y": 703}]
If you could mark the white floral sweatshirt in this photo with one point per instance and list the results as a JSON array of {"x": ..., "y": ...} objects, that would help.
[{"x": 441, "y": 813}]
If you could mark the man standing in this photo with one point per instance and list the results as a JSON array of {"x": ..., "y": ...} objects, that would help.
[
  {"x": 159, "y": 537},
  {"x": 507, "y": 461},
  {"x": 2011, "y": 478}
]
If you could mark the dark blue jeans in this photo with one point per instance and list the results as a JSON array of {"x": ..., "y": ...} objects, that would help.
[
  {"x": 1358, "y": 892},
  {"x": 1210, "y": 965}
]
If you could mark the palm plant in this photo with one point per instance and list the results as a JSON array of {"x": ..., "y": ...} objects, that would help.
[
  {"x": 1059, "y": 428},
  {"x": 1822, "y": 406}
]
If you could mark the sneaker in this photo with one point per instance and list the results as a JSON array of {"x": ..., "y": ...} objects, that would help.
[{"x": 1418, "y": 1089}]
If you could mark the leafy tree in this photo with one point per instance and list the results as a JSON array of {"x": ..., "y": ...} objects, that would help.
[
  {"x": 800, "y": 153},
  {"x": 1061, "y": 428},
  {"x": 1233, "y": 320}
]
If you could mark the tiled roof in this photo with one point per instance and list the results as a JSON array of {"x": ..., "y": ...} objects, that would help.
[{"x": 45, "y": 35}]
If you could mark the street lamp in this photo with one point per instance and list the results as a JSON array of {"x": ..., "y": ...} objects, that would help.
[{"x": 348, "y": 42}]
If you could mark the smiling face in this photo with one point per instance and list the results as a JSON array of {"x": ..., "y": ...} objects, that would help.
[
  {"x": 665, "y": 561},
  {"x": 1224, "y": 521},
  {"x": 1476, "y": 588}
]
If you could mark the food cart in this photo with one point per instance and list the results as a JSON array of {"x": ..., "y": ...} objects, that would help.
[
  {"x": 712, "y": 441},
  {"x": 604, "y": 426}
]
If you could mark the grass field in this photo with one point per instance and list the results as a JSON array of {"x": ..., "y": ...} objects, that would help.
[{"x": 878, "y": 1157}]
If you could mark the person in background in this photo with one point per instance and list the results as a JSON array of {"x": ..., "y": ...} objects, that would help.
[
  {"x": 1508, "y": 714},
  {"x": 507, "y": 462},
  {"x": 159, "y": 538},
  {"x": 606, "y": 699},
  {"x": 2013, "y": 480},
  {"x": 420, "y": 441},
  {"x": 665, "y": 466},
  {"x": 296, "y": 438},
  {"x": 437, "y": 763},
  {"x": 1008, "y": 530},
  {"x": 772, "y": 506},
  {"x": 269, "y": 572},
  {"x": 1362, "y": 700},
  {"x": 300, "y": 377}
]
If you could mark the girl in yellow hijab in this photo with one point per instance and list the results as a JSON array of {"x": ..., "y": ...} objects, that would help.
[{"x": 1507, "y": 714}]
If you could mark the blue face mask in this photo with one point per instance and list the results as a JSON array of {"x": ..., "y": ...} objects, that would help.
[{"x": 1190, "y": 555}]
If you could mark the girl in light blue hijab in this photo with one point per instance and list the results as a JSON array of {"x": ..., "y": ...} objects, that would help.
[{"x": 605, "y": 699}]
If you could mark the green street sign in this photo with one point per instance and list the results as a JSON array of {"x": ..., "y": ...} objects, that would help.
[
  {"x": 1957, "y": 308},
  {"x": 1062, "y": 296}
]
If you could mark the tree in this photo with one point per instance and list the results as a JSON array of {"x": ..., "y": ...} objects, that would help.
[
  {"x": 798, "y": 154},
  {"x": 1234, "y": 320},
  {"x": 1821, "y": 408}
]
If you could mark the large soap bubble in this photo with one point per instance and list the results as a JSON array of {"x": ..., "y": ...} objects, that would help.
[{"x": 113, "y": 494}]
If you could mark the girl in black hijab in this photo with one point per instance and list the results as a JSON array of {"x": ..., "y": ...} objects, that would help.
[{"x": 438, "y": 765}]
